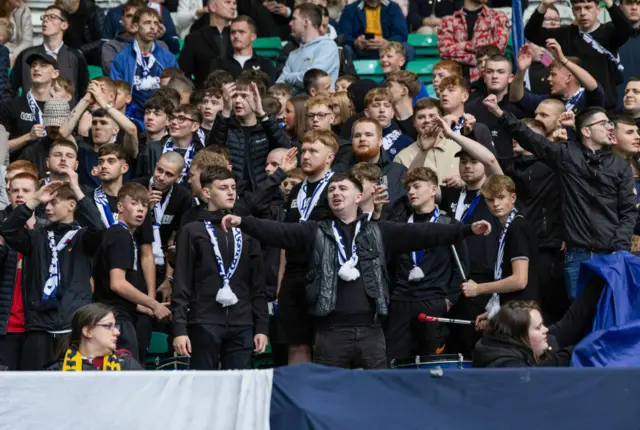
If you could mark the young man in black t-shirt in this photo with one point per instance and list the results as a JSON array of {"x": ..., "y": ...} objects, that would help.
[
  {"x": 514, "y": 275},
  {"x": 117, "y": 274}
]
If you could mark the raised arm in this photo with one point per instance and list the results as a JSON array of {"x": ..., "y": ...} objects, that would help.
[
  {"x": 623, "y": 27},
  {"x": 534, "y": 31},
  {"x": 476, "y": 150},
  {"x": 538, "y": 145},
  {"x": 290, "y": 236},
  {"x": 524, "y": 60},
  {"x": 586, "y": 80},
  {"x": 67, "y": 128}
]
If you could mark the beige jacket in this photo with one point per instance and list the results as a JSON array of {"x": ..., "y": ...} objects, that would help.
[
  {"x": 441, "y": 157},
  {"x": 22, "y": 30}
]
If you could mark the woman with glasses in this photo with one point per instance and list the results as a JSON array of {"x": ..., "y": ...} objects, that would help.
[{"x": 92, "y": 345}]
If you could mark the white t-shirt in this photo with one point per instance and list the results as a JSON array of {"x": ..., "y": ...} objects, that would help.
[{"x": 241, "y": 59}]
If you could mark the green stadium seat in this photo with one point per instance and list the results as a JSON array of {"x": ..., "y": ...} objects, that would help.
[
  {"x": 426, "y": 45},
  {"x": 431, "y": 91},
  {"x": 158, "y": 344},
  {"x": 423, "y": 68},
  {"x": 94, "y": 72},
  {"x": 369, "y": 69},
  {"x": 268, "y": 46},
  {"x": 181, "y": 44}
]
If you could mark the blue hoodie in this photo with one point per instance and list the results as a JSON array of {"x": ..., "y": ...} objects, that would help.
[{"x": 124, "y": 68}]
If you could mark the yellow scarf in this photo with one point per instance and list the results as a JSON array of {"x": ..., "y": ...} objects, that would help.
[{"x": 73, "y": 361}]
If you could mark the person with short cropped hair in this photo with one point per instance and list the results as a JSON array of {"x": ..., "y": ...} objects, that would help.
[
  {"x": 142, "y": 61},
  {"x": 118, "y": 271},
  {"x": 58, "y": 260},
  {"x": 249, "y": 135},
  {"x": 168, "y": 73},
  {"x": 349, "y": 255},
  {"x": 317, "y": 82},
  {"x": 12, "y": 323},
  {"x": 568, "y": 81},
  {"x": 404, "y": 87},
  {"x": 628, "y": 51},
  {"x": 516, "y": 271},
  {"x": 631, "y": 99},
  {"x": 230, "y": 308},
  {"x": 243, "y": 33},
  {"x": 323, "y": 52},
  {"x": 368, "y": 174},
  {"x": 184, "y": 86},
  {"x": 62, "y": 88},
  {"x": 343, "y": 82},
  {"x": 426, "y": 281},
  {"x": 157, "y": 111},
  {"x": 392, "y": 59}
]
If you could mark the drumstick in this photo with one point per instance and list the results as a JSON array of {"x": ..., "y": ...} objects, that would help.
[
  {"x": 426, "y": 318},
  {"x": 455, "y": 255}
]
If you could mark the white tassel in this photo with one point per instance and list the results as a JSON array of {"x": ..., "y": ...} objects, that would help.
[
  {"x": 226, "y": 296},
  {"x": 493, "y": 305},
  {"x": 348, "y": 272},
  {"x": 416, "y": 274}
]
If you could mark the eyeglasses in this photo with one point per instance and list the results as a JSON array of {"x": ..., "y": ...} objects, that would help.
[
  {"x": 602, "y": 122},
  {"x": 51, "y": 17},
  {"x": 319, "y": 115},
  {"x": 181, "y": 119},
  {"x": 110, "y": 326}
]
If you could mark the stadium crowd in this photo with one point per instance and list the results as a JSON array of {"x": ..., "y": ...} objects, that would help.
[{"x": 240, "y": 203}]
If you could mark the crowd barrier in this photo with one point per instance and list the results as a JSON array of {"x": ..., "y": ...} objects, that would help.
[{"x": 314, "y": 397}]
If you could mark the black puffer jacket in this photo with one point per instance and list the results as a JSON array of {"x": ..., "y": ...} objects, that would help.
[
  {"x": 264, "y": 137},
  {"x": 599, "y": 210}
]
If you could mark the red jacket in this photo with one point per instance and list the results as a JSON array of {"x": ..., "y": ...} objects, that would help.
[{"x": 491, "y": 28}]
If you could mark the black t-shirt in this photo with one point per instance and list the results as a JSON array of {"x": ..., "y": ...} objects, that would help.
[
  {"x": 117, "y": 251},
  {"x": 471, "y": 18},
  {"x": 520, "y": 244},
  {"x": 501, "y": 138},
  {"x": 38, "y": 152},
  {"x": 143, "y": 234},
  {"x": 17, "y": 118},
  {"x": 408, "y": 127},
  {"x": 482, "y": 249}
]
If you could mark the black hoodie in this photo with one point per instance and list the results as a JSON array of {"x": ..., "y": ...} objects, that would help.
[{"x": 197, "y": 280}]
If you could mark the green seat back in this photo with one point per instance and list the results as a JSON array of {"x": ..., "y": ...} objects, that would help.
[
  {"x": 268, "y": 46},
  {"x": 423, "y": 68},
  {"x": 94, "y": 72},
  {"x": 426, "y": 44},
  {"x": 369, "y": 69}
]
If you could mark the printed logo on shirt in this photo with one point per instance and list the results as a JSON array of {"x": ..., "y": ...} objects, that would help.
[
  {"x": 393, "y": 151},
  {"x": 494, "y": 133},
  {"x": 25, "y": 116},
  {"x": 261, "y": 140},
  {"x": 294, "y": 204},
  {"x": 255, "y": 67},
  {"x": 390, "y": 139},
  {"x": 308, "y": 60},
  {"x": 150, "y": 83},
  {"x": 167, "y": 219}
]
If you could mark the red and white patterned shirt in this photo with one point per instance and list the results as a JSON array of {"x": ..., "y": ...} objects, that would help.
[{"x": 491, "y": 28}]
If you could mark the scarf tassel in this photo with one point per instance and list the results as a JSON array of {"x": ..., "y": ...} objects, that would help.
[
  {"x": 348, "y": 272},
  {"x": 416, "y": 274},
  {"x": 226, "y": 296}
]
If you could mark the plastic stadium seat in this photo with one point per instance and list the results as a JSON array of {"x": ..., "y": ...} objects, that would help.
[
  {"x": 158, "y": 344},
  {"x": 431, "y": 91},
  {"x": 268, "y": 46},
  {"x": 426, "y": 44},
  {"x": 369, "y": 69},
  {"x": 423, "y": 68},
  {"x": 94, "y": 72}
]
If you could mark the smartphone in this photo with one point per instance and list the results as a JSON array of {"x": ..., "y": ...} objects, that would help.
[
  {"x": 383, "y": 181},
  {"x": 369, "y": 36},
  {"x": 546, "y": 59}
]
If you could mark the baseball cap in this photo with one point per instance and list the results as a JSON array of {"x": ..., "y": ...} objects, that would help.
[
  {"x": 43, "y": 57},
  {"x": 56, "y": 112}
]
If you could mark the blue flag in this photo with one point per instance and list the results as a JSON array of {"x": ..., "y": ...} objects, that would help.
[
  {"x": 517, "y": 29},
  {"x": 615, "y": 340}
]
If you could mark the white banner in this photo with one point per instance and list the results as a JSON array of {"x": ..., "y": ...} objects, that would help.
[{"x": 191, "y": 400}]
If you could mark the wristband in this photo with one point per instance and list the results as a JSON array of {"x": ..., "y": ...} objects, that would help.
[{"x": 168, "y": 278}]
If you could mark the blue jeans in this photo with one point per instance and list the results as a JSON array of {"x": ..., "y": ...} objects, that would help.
[
  {"x": 357, "y": 54},
  {"x": 573, "y": 258}
]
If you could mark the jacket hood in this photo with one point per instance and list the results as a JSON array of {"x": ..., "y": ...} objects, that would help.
[
  {"x": 358, "y": 90},
  {"x": 493, "y": 350}
]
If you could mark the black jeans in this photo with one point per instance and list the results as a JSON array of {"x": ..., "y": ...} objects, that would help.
[
  {"x": 11, "y": 350},
  {"x": 554, "y": 299},
  {"x": 144, "y": 328},
  {"x": 216, "y": 347},
  {"x": 42, "y": 349},
  {"x": 350, "y": 347},
  {"x": 128, "y": 338},
  {"x": 406, "y": 336}
]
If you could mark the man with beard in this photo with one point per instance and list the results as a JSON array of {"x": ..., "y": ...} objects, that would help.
[
  {"x": 348, "y": 291},
  {"x": 308, "y": 201},
  {"x": 497, "y": 77},
  {"x": 366, "y": 143}
]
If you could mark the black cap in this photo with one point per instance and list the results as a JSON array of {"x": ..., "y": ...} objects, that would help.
[
  {"x": 461, "y": 153},
  {"x": 44, "y": 57}
]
